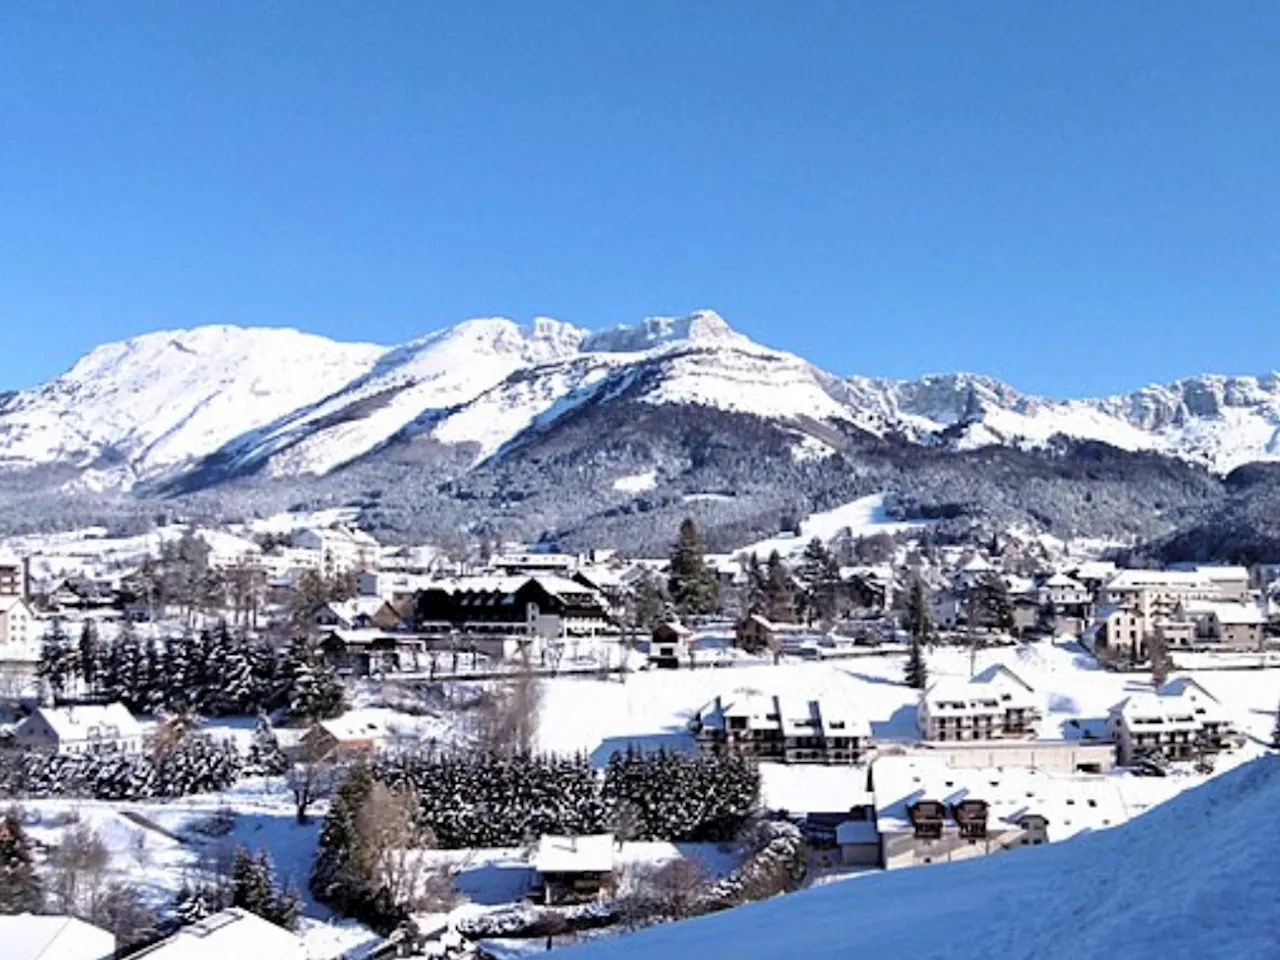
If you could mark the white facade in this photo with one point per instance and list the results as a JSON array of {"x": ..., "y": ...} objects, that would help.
[
  {"x": 995, "y": 704},
  {"x": 340, "y": 549},
  {"x": 18, "y": 623},
  {"x": 1178, "y": 721},
  {"x": 80, "y": 729}
]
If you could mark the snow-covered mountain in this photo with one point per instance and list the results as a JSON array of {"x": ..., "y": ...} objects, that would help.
[
  {"x": 162, "y": 401},
  {"x": 227, "y": 401}
]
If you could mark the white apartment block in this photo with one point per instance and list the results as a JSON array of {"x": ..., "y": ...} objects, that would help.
[
  {"x": 787, "y": 729},
  {"x": 996, "y": 704},
  {"x": 339, "y": 549},
  {"x": 1179, "y": 721}
]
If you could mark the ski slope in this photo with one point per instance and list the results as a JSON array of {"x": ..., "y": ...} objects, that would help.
[{"x": 863, "y": 517}]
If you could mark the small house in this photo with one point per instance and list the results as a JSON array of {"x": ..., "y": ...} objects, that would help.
[
  {"x": 572, "y": 869},
  {"x": 348, "y": 737},
  {"x": 670, "y": 645},
  {"x": 91, "y": 728}
]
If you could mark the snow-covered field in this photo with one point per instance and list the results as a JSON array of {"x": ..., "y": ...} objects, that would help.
[{"x": 864, "y": 517}]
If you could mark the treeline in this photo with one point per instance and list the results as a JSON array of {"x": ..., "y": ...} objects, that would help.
[
  {"x": 183, "y": 764},
  {"x": 212, "y": 672},
  {"x": 490, "y": 800}
]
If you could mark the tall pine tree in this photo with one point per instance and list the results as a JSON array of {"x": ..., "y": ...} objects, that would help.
[
  {"x": 917, "y": 673},
  {"x": 20, "y": 888},
  {"x": 919, "y": 613},
  {"x": 693, "y": 587}
]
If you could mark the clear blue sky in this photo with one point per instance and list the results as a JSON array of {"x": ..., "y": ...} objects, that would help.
[{"x": 1079, "y": 197}]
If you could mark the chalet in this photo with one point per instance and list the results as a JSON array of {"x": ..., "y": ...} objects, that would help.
[
  {"x": 231, "y": 933},
  {"x": 670, "y": 645},
  {"x": 757, "y": 634},
  {"x": 573, "y": 869},
  {"x": 90, "y": 728},
  {"x": 995, "y": 704},
  {"x": 1066, "y": 595},
  {"x": 1179, "y": 721},
  {"x": 53, "y": 937},
  {"x": 542, "y": 606},
  {"x": 790, "y": 730},
  {"x": 348, "y": 737},
  {"x": 370, "y": 652},
  {"x": 360, "y": 613}
]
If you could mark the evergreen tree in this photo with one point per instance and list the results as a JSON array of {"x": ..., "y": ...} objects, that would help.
[
  {"x": 821, "y": 575},
  {"x": 57, "y": 659},
  {"x": 1275, "y": 734},
  {"x": 693, "y": 587},
  {"x": 21, "y": 890},
  {"x": 755, "y": 586},
  {"x": 312, "y": 688},
  {"x": 995, "y": 606},
  {"x": 917, "y": 673},
  {"x": 919, "y": 613},
  {"x": 650, "y": 600},
  {"x": 779, "y": 591},
  {"x": 265, "y": 756},
  {"x": 252, "y": 884},
  {"x": 89, "y": 656}
]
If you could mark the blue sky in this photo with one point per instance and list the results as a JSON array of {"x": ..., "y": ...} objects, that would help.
[{"x": 1077, "y": 197}]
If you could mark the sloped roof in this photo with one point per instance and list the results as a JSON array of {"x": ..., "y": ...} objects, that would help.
[
  {"x": 231, "y": 934},
  {"x": 562, "y": 854},
  {"x": 73, "y": 724},
  {"x": 28, "y": 937}
]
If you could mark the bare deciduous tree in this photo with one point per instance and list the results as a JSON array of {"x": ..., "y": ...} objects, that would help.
[
  {"x": 510, "y": 713},
  {"x": 311, "y": 777},
  {"x": 389, "y": 847}
]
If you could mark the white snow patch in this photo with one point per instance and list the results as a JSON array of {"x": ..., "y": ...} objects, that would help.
[
  {"x": 637, "y": 482},
  {"x": 864, "y": 517}
]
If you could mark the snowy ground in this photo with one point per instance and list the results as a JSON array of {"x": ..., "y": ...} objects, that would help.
[
  {"x": 653, "y": 708},
  {"x": 865, "y": 517},
  {"x": 1180, "y": 883},
  {"x": 156, "y": 846}
]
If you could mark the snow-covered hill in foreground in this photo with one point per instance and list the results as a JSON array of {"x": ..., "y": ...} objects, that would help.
[{"x": 1194, "y": 879}]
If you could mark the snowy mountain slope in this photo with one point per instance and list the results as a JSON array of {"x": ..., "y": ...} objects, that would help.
[
  {"x": 164, "y": 400},
  {"x": 1184, "y": 880},
  {"x": 189, "y": 409}
]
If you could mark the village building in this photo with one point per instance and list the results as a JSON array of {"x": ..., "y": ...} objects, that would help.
[
  {"x": 756, "y": 633},
  {"x": 1179, "y": 721},
  {"x": 995, "y": 704},
  {"x": 89, "y": 728},
  {"x": 26, "y": 936},
  {"x": 360, "y": 613},
  {"x": 1227, "y": 625},
  {"x": 573, "y": 869},
  {"x": 339, "y": 549},
  {"x": 369, "y": 651},
  {"x": 543, "y": 606},
  {"x": 670, "y": 645},
  {"x": 393, "y": 586},
  {"x": 230, "y": 934},
  {"x": 18, "y": 622},
  {"x": 13, "y": 575},
  {"x": 784, "y": 729},
  {"x": 349, "y": 737},
  {"x": 929, "y": 812}
]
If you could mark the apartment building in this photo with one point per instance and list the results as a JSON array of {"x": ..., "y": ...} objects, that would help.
[
  {"x": 996, "y": 704},
  {"x": 1179, "y": 721},
  {"x": 783, "y": 729},
  {"x": 13, "y": 575}
]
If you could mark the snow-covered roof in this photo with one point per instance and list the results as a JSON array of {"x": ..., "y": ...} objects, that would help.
[
  {"x": 90, "y": 721},
  {"x": 29, "y": 937},
  {"x": 229, "y": 935},
  {"x": 1064, "y": 582},
  {"x": 813, "y": 788},
  {"x": 356, "y": 725},
  {"x": 996, "y": 687},
  {"x": 1157, "y": 579},
  {"x": 586, "y": 854},
  {"x": 1182, "y": 704},
  {"x": 1227, "y": 612},
  {"x": 1071, "y": 804}
]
